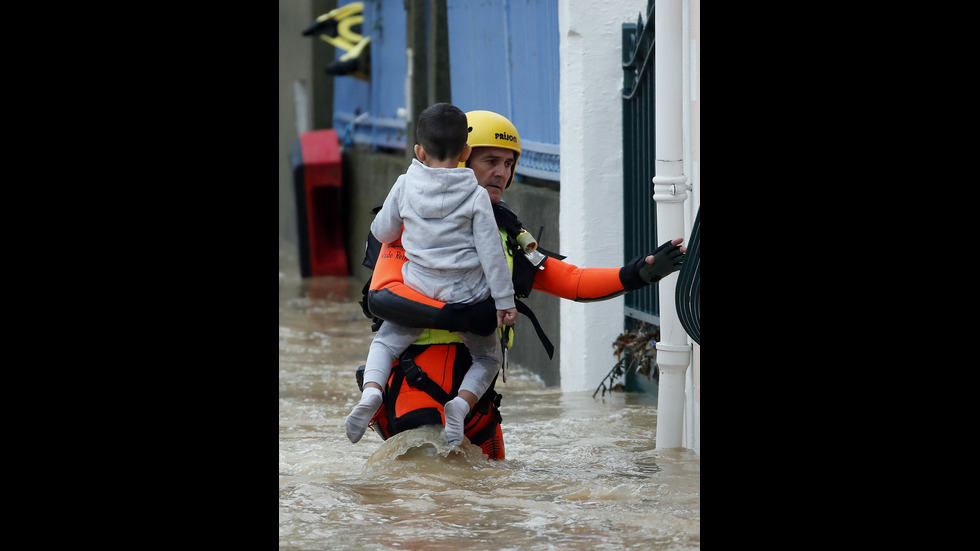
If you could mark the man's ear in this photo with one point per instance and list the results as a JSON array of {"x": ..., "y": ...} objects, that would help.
[
  {"x": 420, "y": 153},
  {"x": 465, "y": 154}
]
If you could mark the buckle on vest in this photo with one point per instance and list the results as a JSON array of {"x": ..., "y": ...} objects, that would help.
[
  {"x": 413, "y": 373},
  {"x": 416, "y": 378}
]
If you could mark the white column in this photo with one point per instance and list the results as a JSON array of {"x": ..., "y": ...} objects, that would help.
[
  {"x": 591, "y": 199},
  {"x": 670, "y": 191}
]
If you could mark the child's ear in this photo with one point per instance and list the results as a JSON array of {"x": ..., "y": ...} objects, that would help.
[
  {"x": 420, "y": 153},
  {"x": 465, "y": 154}
]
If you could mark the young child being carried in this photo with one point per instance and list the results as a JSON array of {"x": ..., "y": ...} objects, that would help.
[{"x": 455, "y": 255}]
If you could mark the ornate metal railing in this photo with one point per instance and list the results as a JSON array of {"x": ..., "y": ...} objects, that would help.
[{"x": 639, "y": 208}]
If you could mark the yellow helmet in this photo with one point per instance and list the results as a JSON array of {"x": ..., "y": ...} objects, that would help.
[{"x": 489, "y": 129}]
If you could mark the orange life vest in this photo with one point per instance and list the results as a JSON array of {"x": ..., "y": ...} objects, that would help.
[{"x": 425, "y": 378}]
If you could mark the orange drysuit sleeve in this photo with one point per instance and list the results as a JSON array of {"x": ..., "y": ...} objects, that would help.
[
  {"x": 557, "y": 278},
  {"x": 579, "y": 284}
]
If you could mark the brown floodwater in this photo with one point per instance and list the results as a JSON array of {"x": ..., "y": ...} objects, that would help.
[{"x": 580, "y": 472}]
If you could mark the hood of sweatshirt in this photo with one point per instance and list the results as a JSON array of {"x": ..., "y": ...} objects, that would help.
[{"x": 436, "y": 192}]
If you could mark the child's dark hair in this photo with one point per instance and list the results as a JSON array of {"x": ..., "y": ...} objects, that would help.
[{"x": 442, "y": 131}]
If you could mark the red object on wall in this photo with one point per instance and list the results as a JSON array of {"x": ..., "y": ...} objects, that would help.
[{"x": 318, "y": 186}]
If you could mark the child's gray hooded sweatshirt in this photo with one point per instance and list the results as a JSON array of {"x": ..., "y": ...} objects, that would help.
[{"x": 454, "y": 249}]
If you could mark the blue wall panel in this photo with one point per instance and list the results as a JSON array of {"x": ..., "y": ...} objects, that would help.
[
  {"x": 503, "y": 57},
  {"x": 534, "y": 38},
  {"x": 478, "y": 55},
  {"x": 384, "y": 94}
]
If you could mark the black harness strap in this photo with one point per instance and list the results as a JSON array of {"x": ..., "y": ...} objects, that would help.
[
  {"x": 412, "y": 374},
  {"x": 417, "y": 378},
  {"x": 526, "y": 310}
]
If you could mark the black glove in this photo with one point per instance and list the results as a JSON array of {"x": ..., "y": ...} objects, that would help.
[
  {"x": 636, "y": 274},
  {"x": 479, "y": 318}
]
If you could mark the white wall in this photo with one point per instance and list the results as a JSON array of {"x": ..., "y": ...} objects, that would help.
[
  {"x": 590, "y": 114},
  {"x": 591, "y": 179}
]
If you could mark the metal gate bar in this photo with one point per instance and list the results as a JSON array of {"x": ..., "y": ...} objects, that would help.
[{"x": 639, "y": 208}]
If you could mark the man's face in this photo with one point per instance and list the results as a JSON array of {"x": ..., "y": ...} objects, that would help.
[{"x": 492, "y": 166}]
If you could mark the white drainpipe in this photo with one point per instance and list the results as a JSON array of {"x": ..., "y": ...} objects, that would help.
[{"x": 670, "y": 191}]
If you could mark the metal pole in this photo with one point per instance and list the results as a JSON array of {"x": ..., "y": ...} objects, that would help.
[
  {"x": 416, "y": 73},
  {"x": 438, "y": 50}
]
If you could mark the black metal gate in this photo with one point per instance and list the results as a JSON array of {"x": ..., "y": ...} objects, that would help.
[{"x": 639, "y": 208}]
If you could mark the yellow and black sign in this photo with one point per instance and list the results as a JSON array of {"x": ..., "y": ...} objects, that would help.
[{"x": 342, "y": 29}]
